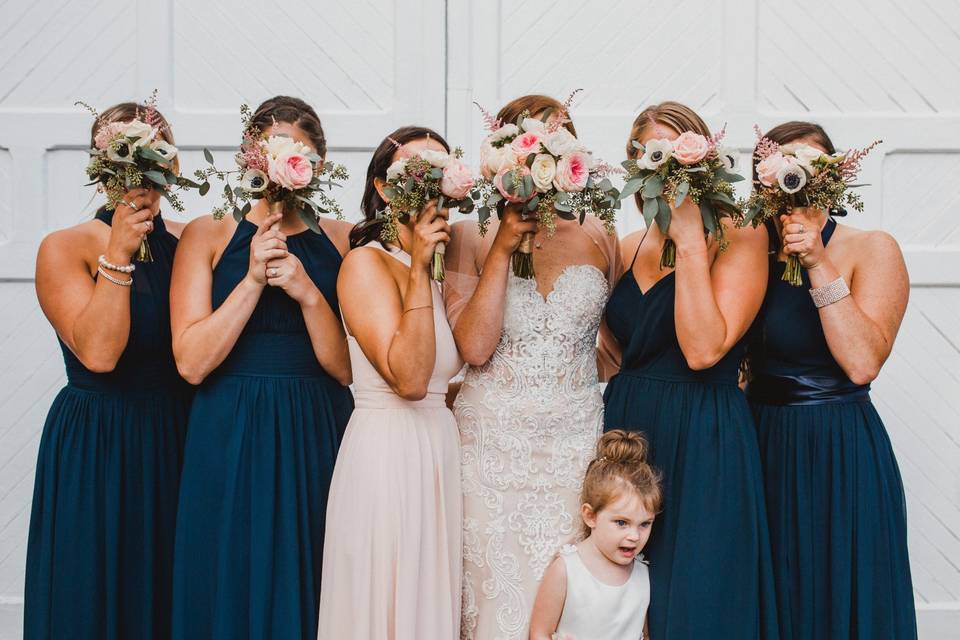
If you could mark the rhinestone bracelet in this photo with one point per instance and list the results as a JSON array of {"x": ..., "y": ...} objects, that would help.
[
  {"x": 117, "y": 281},
  {"x": 106, "y": 264},
  {"x": 830, "y": 293}
]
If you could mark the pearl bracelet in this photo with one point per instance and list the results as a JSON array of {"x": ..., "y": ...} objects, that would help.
[
  {"x": 125, "y": 268},
  {"x": 830, "y": 293},
  {"x": 117, "y": 281}
]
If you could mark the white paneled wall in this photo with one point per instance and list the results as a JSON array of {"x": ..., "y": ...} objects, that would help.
[{"x": 864, "y": 70}]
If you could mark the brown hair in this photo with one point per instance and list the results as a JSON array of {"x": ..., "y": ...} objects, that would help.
[
  {"x": 675, "y": 115},
  {"x": 532, "y": 104},
  {"x": 369, "y": 228},
  {"x": 795, "y": 130},
  {"x": 292, "y": 111},
  {"x": 621, "y": 463}
]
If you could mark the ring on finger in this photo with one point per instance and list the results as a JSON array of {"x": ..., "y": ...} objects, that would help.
[
  {"x": 273, "y": 272},
  {"x": 802, "y": 228}
]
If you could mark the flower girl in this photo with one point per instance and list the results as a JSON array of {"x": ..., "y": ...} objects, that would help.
[{"x": 599, "y": 588}]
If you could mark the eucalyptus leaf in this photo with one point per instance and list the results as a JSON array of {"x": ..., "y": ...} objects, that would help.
[
  {"x": 682, "y": 192},
  {"x": 562, "y": 205},
  {"x": 237, "y": 213},
  {"x": 309, "y": 219},
  {"x": 155, "y": 177},
  {"x": 246, "y": 208},
  {"x": 436, "y": 172},
  {"x": 636, "y": 145},
  {"x": 204, "y": 188},
  {"x": 663, "y": 215},
  {"x": 532, "y": 204},
  {"x": 650, "y": 209},
  {"x": 208, "y": 156},
  {"x": 709, "y": 216},
  {"x": 150, "y": 154},
  {"x": 722, "y": 197},
  {"x": 630, "y": 188},
  {"x": 652, "y": 187},
  {"x": 566, "y": 215},
  {"x": 727, "y": 176}
]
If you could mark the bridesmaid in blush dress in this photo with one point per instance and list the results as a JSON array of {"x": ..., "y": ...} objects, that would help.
[
  {"x": 256, "y": 323},
  {"x": 391, "y": 567}
]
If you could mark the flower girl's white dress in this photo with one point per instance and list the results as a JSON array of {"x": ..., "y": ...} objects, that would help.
[{"x": 594, "y": 610}]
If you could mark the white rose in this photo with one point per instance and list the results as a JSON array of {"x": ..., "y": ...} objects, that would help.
[
  {"x": 506, "y": 132},
  {"x": 655, "y": 153},
  {"x": 276, "y": 146},
  {"x": 165, "y": 149},
  {"x": 141, "y": 131},
  {"x": 561, "y": 142},
  {"x": 533, "y": 124},
  {"x": 543, "y": 170},
  {"x": 804, "y": 153},
  {"x": 492, "y": 159},
  {"x": 435, "y": 158},
  {"x": 396, "y": 169}
]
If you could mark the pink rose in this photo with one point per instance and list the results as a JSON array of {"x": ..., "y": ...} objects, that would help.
[
  {"x": 457, "y": 180},
  {"x": 769, "y": 167},
  {"x": 525, "y": 144},
  {"x": 690, "y": 148},
  {"x": 291, "y": 171},
  {"x": 498, "y": 182},
  {"x": 573, "y": 171}
]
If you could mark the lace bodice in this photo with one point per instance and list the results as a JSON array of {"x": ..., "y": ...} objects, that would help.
[{"x": 548, "y": 345}]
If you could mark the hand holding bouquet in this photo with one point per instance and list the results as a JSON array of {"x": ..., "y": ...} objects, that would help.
[
  {"x": 285, "y": 172},
  {"x": 540, "y": 164},
  {"x": 131, "y": 154},
  {"x": 415, "y": 180},
  {"x": 799, "y": 175},
  {"x": 690, "y": 166}
]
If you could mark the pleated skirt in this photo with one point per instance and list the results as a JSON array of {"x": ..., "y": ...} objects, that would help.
[
  {"x": 100, "y": 547},
  {"x": 710, "y": 569},
  {"x": 392, "y": 560},
  {"x": 250, "y": 531},
  {"x": 838, "y": 525}
]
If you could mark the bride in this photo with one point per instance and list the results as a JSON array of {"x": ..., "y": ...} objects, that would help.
[{"x": 530, "y": 408}]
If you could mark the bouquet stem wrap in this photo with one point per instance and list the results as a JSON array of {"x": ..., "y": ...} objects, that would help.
[
  {"x": 792, "y": 272},
  {"x": 522, "y": 259},
  {"x": 668, "y": 255},
  {"x": 437, "y": 270}
]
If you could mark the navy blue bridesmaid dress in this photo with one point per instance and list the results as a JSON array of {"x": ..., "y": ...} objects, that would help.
[
  {"x": 100, "y": 550},
  {"x": 834, "y": 497},
  {"x": 262, "y": 439},
  {"x": 710, "y": 570}
]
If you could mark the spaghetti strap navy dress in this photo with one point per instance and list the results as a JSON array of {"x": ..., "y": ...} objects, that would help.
[
  {"x": 710, "y": 570},
  {"x": 262, "y": 439},
  {"x": 834, "y": 495},
  {"x": 100, "y": 547}
]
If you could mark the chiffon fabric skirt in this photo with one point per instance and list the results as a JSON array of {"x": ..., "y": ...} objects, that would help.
[
  {"x": 837, "y": 522},
  {"x": 391, "y": 567},
  {"x": 100, "y": 549},
  {"x": 709, "y": 552},
  {"x": 259, "y": 457}
]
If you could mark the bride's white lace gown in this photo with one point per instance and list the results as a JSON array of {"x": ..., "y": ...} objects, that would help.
[{"x": 529, "y": 420}]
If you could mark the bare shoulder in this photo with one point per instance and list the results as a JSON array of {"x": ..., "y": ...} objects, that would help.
[
  {"x": 174, "y": 227},
  {"x": 361, "y": 262},
  {"x": 338, "y": 231},
  {"x": 873, "y": 241},
  {"x": 76, "y": 242},
  {"x": 207, "y": 231},
  {"x": 748, "y": 234},
  {"x": 628, "y": 246}
]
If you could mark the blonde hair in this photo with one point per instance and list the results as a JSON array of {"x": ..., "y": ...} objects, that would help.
[
  {"x": 620, "y": 463},
  {"x": 675, "y": 115}
]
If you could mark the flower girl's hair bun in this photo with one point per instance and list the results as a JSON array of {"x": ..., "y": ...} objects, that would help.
[{"x": 621, "y": 464}]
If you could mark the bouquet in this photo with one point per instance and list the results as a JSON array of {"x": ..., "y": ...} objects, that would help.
[
  {"x": 412, "y": 181},
  {"x": 127, "y": 155},
  {"x": 799, "y": 175},
  {"x": 540, "y": 164},
  {"x": 690, "y": 166},
  {"x": 285, "y": 172}
]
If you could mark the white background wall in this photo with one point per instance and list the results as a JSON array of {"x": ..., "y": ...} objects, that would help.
[{"x": 865, "y": 70}]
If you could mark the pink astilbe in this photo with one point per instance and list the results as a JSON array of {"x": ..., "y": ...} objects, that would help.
[
  {"x": 107, "y": 132},
  {"x": 602, "y": 170},
  {"x": 850, "y": 166},
  {"x": 492, "y": 123},
  {"x": 714, "y": 140},
  {"x": 765, "y": 146},
  {"x": 251, "y": 154}
]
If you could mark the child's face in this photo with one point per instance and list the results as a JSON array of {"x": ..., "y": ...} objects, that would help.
[{"x": 621, "y": 529}]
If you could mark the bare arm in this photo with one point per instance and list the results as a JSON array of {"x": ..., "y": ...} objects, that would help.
[
  {"x": 548, "y": 606},
  {"x": 860, "y": 329},
  {"x": 395, "y": 328},
  {"x": 202, "y": 337},
  {"x": 477, "y": 332},
  {"x": 92, "y": 317},
  {"x": 715, "y": 304}
]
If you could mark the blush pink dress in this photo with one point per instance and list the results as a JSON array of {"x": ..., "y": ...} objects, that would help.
[{"x": 392, "y": 559}]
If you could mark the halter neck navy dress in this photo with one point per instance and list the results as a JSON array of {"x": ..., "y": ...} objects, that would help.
[
  {"x": 710, "y": 571},
  {"x": 100, "y": 548},
  {"x": 834, "y": 496},
  {"x": 262, "y": 439}
]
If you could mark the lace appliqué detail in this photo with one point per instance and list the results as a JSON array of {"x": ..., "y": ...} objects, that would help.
[{"x": 529, "y": 419}]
